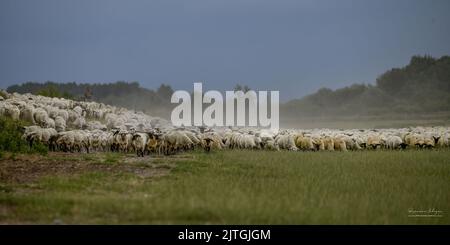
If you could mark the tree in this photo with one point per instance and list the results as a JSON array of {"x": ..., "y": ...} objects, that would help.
[
  {"x": 51, "y": 90},
  {"x": 165, "y": 92}
]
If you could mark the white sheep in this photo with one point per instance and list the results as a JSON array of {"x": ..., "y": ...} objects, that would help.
[
  {"x": 37, "y": 134},
  {"x": 9, "y": 110},
  {"x": 139, "y": 141},
  {"x": 60, "y": 124},
  {"x": 26, "y": 114},
  {"x": 79, "y": 122},
  {"x": 286, "y": 142},
  {"x": 40, "y": 116},
  {"x": 394, "y": 142}
]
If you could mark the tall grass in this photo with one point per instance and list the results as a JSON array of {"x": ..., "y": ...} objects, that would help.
[{"x": 250, "y": 187}]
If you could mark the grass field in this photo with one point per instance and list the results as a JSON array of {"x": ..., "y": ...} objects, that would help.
[{"x": 227, "y": 187}]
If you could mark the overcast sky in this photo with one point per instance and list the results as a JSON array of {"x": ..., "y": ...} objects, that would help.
[{"x": 292, "y": 46}]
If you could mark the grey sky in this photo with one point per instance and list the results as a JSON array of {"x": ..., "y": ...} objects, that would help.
[{"x": 292, "y": 46}]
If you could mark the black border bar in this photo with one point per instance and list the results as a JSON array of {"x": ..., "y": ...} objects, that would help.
[{"x": 171, "y": 233}]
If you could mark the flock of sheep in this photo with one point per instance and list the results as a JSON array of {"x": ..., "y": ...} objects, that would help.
[{"x": 67, "y": 125}]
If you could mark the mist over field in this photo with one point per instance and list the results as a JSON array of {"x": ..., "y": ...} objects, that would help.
[{"x": 415, "y": 94}]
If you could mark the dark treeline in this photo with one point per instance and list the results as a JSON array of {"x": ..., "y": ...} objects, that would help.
[{"x": 423, "y": 86}]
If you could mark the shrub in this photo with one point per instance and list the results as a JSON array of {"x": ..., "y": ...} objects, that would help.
[{"x": 11, "y": 138}]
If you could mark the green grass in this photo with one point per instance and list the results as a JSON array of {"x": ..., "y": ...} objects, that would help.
[
  {"x": 246, "y": 187},
  {"x": 112, "y": 158}
]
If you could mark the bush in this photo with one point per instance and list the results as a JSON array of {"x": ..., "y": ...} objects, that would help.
[
  {"x": 3, "y": 94},
  {"x": 11, "y": 138},
  {"x": 39, "y": 148}
]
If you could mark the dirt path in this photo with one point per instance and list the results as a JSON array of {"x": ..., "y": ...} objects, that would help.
[{"x": 29, "y": 168}]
